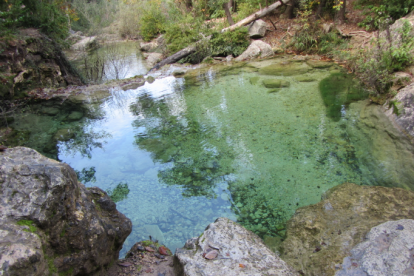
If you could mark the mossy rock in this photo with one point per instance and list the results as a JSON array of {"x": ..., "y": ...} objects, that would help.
[
  {"x": 64, "y": 134},
  {"x": 285, "y": 69},
  {"x": 74, "y": 116},
  {"x": 254, "y": 80},
  {"x": 274, "y": 90},
  {"x": 304, "y": 79},
  {"x": 319, "y": 64},
  {"x": 272, "y": 83}
]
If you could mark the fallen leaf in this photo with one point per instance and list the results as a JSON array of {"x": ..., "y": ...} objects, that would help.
[
  {"x": 163, "y": 250},
  {"x": 211, "y": 254},
  {"x": 126, "y": 264},
  {"x": 148, "y": 270},
  {"x": 149, "y": 249},
  {"x": 242, "y": 265}
]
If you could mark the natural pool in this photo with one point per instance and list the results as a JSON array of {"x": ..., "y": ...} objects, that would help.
[{"x": 216, "y": 142}]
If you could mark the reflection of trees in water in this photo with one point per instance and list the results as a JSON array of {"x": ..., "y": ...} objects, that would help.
[
  {"x": 109, "y": 62},
  {"x": 196, "y": 164},
  {"x": 83, "y": 142}
]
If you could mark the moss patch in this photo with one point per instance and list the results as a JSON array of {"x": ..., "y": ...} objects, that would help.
[{"x": 29, "y": 223}]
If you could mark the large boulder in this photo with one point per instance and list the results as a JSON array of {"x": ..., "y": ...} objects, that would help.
[
  {"x": 50, "y": 223},
  {"x": 403, "y": 111},
  {"x": 320, "y": 236},
  {"x": 387, "y": 250},
  {"x": 256, "y": 49},
  {"x": 226, "y": 248},
  {"x": 257, "y": 29}
]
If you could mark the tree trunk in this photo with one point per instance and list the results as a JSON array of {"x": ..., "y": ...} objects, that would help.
[
  {"x": 289, "y": 10},
  {"x": 226, "y": 7},
  {"x": 340, "y": 17},
  {"x": 256, "y": 15},
  {"x": 188, "y": 4},
  {"x": 320, "y": 8}
]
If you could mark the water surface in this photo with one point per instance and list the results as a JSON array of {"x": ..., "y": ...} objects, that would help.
[{"x": 214, "y": 143}]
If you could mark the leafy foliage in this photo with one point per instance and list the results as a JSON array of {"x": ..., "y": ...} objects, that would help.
[
  {"x": 50, "y": 16},
  {"x": 229, "y": 43},
  {"x": 312, "y": 38},
  {"x": 380, "y": 13},
  {"x": 375, "y": 66}
]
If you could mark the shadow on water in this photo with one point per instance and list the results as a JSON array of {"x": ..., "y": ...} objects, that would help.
[{"x": 338, "y": 91}]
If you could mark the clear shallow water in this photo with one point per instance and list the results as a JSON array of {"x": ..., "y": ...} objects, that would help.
[{"x": 215, "y": 143}]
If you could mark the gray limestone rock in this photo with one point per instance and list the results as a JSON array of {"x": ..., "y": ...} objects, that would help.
[
  {"x": 257, "y": 29},
  {"x": 153, "y": 58},
  {"x": 256, "y": 49},
  {"x": 405, "y": 106},
  {"x": 240, "y": 252},
  {"x": 320, "y": 236},
  {"x": 50, "y": 223},
  {"x": 388, "y": 250}
]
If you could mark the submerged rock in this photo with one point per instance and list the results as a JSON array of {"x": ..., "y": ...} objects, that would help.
[
  {"x": 240, "y": 252},
  {"x": 272, "y": 83},
  {"x": 285, "y": 69},
  {"x": 387, "y": 250},
  {"x": 320, "y": 236},
  {"x": 50, "y": 223}
]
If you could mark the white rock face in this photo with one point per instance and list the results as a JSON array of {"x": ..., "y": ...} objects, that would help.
[
  {"x": 257, "y": 29},
  {"x": 256, "y": 49},
  {"x": 240, "y": 252},
  {"x": 85, "y": 43},
  {"x": 388, "y": 250}
]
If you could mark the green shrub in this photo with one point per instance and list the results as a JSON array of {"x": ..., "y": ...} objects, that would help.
[
  {"x": 152, "y": 21},
  {"x": 375, "y": 66},
  {"x": 379, "y": 13},
  {"x": 229, "y": 43}
]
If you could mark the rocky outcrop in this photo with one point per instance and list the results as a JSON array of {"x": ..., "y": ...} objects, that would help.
[
  {"x": 320, "y": 236},
  {"x": 257, "y": 29},
  {"x": 30, "y": 61},
  {"x": 388, "y": 250},
  {"x": 50, "y": 223},
  {"x": 256, "y": 49},
  {"x": 226, "y": 248},
  {"x": 403, "y": 110},
  {"x": 152, "y": 58},
  {"x": 86, "y": 43}
]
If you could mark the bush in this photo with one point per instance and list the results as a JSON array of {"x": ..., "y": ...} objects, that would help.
[
  {"x": 229, "y": 43},
  {"x": 379, "y": 13},
  {"x": 388, "y": 54},
  {"x": 312, "y": 38}
]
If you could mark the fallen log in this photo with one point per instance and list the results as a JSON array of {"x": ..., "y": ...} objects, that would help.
[
  {"x": 192, "y": 48},
  {"x": 175, "y": 57},
  {"x": 256, "y": 15}
]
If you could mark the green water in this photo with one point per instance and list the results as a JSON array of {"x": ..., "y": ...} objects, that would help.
[{"x": 180, "y": 152}]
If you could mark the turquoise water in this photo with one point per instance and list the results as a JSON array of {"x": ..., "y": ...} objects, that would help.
[{"x": 214, "y": 143}]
